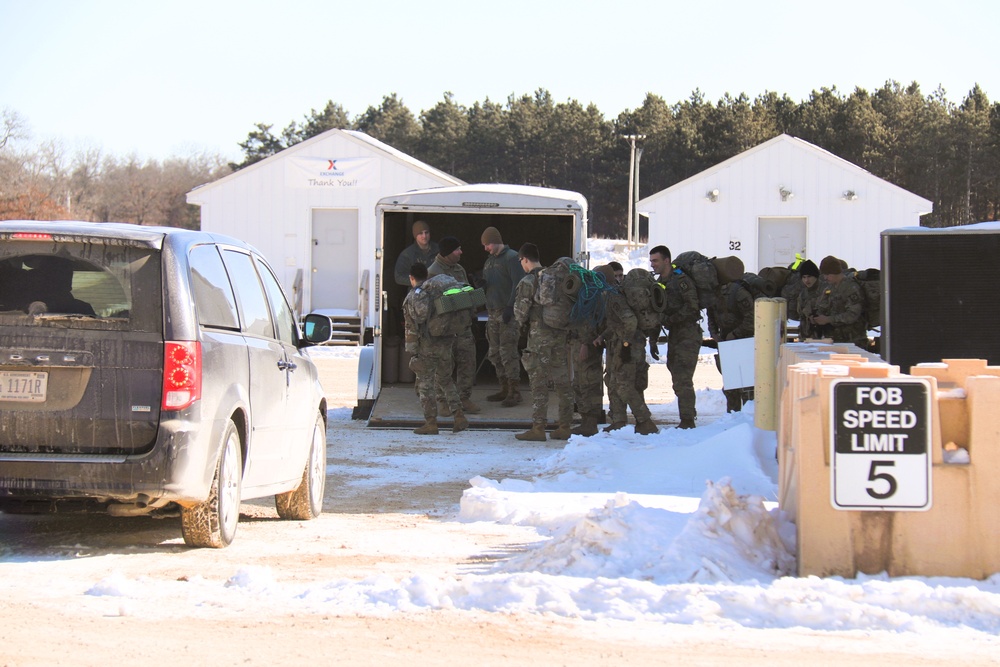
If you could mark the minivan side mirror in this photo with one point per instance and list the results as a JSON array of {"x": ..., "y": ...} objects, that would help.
[{"x": 317, "y": 328}]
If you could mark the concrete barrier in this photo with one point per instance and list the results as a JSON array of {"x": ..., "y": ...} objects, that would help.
[{"x": 958, "y": 536}]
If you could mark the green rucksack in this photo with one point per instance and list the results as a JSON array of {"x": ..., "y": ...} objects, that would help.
[
  {"x": 646, "y": 298},
  {"x": 701, "y": 270},
  {"x": 438, "y": 322},
  {"x": 556, "y": 288}
]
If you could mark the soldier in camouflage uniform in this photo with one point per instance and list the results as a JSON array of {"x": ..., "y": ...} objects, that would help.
[
  {"x": 545, "y": 357},
  {"x": 841, "y": 305},
  {"x": 432, "y": 360},
  {"x": 807, "y": 298},
  {"x": 502, "y": 272},
  {"x": 682, "y": 318},
  {"x": 446, "y": 262},
  {"x": 731, "y": 317},
  {"x": 627, "y": 374}
]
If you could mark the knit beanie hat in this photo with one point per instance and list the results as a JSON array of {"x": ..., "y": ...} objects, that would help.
[
  {"x": 830, "y": 265},
  {"x": 420, "y": 226},
  {"x": 808, "y": 268},
  {"x": 491, "y": 235},
  {"x": 448, "y": 245}
]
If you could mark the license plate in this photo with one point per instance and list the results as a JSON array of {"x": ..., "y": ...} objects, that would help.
[{"x": 28, "y": 386}]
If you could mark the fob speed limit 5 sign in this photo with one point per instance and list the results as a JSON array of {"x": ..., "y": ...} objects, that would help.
[{"x": 880, "y": 445}]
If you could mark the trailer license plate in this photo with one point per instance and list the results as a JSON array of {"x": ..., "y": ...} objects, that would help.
[{"x": 28, "y": 386}]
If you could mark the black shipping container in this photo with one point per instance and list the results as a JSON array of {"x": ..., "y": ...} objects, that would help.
[{"x": 940, "y": 298}]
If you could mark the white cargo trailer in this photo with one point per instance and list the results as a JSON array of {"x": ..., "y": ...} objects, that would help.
[{"x": 554, "y": 220}]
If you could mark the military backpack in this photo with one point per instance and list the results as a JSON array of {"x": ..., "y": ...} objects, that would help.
[
  {"x": 439, "y": 322},
  {"x": 701, "y": 270},
  {"x": 556, "y": 288},
  {"x": 646, "y": 298}
]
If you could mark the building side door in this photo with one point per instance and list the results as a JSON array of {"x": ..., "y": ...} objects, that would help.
[
  {"x": 778, "y": 239},
  {"x": 334, "y": 259}
]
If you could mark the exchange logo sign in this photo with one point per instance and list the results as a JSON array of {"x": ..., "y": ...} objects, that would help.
[{"x": 880, "y": 442}]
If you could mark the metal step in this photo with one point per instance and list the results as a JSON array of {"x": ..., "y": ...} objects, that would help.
[{"x": 345, "y": 330}]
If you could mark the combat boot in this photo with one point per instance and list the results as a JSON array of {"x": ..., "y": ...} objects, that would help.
[
  {"x": 614, "y": 426},
  {"x": 587, "y": 427},
  {"x": 686, "y": 423},
  {"x": 562, "y": 432},
  {"x": 430, "y": 427},
  {"x": 646, "y": 427},
  {"x": 469, "y": 406},
  {"x": 513, "y": 394},
  {"x": 460, "y": 423},
  {"x": 500, "y": 395},
  {"x": 535, "y": 433}
]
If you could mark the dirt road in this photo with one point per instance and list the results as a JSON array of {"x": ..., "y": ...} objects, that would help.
[{"x": 378, "y": 521}]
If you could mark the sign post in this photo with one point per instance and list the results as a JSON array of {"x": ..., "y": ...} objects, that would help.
[{"x": 880, "y": 441}]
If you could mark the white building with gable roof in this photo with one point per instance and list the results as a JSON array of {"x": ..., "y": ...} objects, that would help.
[
  {"x": 783, "y": 197},
  {"x": 311, "y": 210}
]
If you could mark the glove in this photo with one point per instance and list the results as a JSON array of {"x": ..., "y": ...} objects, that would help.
[
  {"x": 508, "y": 314},
  {"x": 654, "y": 350}
]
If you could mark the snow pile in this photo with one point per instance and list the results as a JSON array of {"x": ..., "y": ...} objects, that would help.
[{"x": 730, "y": 538}]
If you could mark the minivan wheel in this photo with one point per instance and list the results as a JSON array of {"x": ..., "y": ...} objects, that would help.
[
  {"x": 306, "y": 502},
  {"x": 213, "y": 522}
]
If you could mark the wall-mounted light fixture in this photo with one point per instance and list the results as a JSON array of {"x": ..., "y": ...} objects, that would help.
[
  {"x": 712, "y": 195},
  {"x": 785, "y": 193},
  {"x": 850, "y": 195}
]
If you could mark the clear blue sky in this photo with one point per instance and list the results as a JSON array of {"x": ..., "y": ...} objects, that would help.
[{"x": 174, "y": 77}]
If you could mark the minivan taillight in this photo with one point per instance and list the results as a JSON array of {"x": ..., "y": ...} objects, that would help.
[{"x": 181, "y": 374}]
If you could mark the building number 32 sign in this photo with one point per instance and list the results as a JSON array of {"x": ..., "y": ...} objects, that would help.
[{"x": 880, "y": 445}]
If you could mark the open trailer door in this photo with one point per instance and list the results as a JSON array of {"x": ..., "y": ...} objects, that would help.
[{"x": 555, "y": 220}]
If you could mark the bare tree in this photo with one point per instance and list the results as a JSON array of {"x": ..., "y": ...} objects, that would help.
[{"x": 11, "y": 127}]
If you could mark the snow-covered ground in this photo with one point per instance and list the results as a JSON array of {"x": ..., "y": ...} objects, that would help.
[{"x": 675, "y": 528}]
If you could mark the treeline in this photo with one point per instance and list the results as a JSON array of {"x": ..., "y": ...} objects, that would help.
[
  {"x": 45, "y": 182},
  {"x": 926, "y": 144},
  {"x": 944, "y": 152}
]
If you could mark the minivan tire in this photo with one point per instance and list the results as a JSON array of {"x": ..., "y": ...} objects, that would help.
[
  {"x": 213, "y": 523},
  {"x": 306, "y": 502}
]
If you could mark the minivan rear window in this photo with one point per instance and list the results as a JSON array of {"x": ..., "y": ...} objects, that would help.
[{"x": 77, "y": 284}]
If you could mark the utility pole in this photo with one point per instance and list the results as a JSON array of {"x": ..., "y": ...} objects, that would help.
[
  {"x": 635, "y": 197},
  {"x": 633, "y": 183}
]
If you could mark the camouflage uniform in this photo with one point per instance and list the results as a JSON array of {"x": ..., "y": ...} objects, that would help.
[
  {"x": 501, "y": 274},
  {"x": 732, "y": 318},
  {"x": 627, "y": 375},
  {"x": 808, "y": 298},
  {"x": 682, "y": 318},
  {"x": 588, "y": 372},
  {"x": 464, "y": 350},
  {"x": 845, "y": 306},
  {"x": 432, "y": 362},
  {"x": 790, "y": 293},
  {"x": 545, "y": 357}
]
